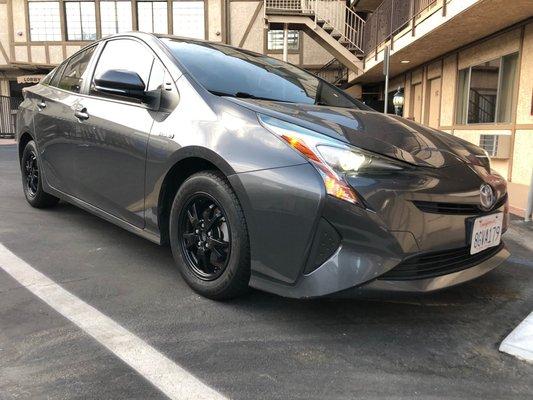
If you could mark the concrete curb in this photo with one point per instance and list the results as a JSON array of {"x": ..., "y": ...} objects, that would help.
[{"x": 519, "y": 343}]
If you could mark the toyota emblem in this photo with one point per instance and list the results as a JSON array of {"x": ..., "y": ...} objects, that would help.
[{"x": 486, "y": 195}]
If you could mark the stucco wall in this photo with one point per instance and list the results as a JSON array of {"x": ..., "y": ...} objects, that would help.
[
  {"x": 501, "y": 45},
  {"x": 523, "y": 157},
  {"x": 449, "y": 78},
  {"x": 4, "y": 34},
  {"x": 525, "y": 90},
  {"x": 19, "y": 20},
  {"x": 314, "y": 53},
  {"x": 214, "y": 12}
]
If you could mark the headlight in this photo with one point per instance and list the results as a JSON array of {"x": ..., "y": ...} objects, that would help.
[{"x": 332, "y": 159}]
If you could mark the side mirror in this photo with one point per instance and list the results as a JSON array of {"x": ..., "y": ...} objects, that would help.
[{"x": 121, "y": 83}]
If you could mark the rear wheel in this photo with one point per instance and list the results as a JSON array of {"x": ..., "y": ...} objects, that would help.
[
  {"x": 32, "y": 179},
  {"x": 209, "y": 238}
]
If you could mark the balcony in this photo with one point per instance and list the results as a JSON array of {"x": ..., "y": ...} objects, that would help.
[
  {"x": 418, "y": 31},
  {"x": 336, "y": 27}
]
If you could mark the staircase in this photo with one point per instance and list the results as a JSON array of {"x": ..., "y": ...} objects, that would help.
[
  {"x": 329, "y": 22},
  {"x": 333, "y": 72}
]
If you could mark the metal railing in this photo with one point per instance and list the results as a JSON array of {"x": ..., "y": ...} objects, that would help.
[
  {"x": 392, "y": 16},
  {"x": 482, "y": 108},
  {"x": 8, "y": 115},
  {"x": 334, "y": 14},
  {"x": 333, "y": 72}
]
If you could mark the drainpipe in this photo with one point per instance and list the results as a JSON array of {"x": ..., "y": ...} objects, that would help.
[
  {"x": 529, "y": 208},
  {"x": 285, "y": 42}
]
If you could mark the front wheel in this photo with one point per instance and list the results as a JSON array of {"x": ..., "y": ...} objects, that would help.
[
  {"x": 32, "y": 178},
  {"x": 209, "y": 237}
]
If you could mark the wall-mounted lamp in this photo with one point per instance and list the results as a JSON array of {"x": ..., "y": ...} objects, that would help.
[{"x": 398, "y": 101}]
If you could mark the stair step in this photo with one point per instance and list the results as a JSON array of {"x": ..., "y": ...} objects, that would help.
[
  {"x": 336, "y": 35},
  {"x": 320, "y": 22},
  {"x": 328, "y": 29}
]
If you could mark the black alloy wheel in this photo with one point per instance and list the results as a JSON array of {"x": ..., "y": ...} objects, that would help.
[
  {"x": 31, "y": 173},
  {"x": 205, "y": 237},
  {"x": 32, "y": 179},
  {"x": 209, "y": 236}
]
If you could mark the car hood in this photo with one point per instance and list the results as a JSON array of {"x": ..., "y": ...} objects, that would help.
[{"x": 388, "y": 135}]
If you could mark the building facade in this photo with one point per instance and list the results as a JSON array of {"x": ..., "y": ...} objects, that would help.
[
  {"x": 464, "y": 67},
  {"x": 36, "y": 35}
]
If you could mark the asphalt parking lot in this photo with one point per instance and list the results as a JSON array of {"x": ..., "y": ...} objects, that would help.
[{"x": 443, "y": 345}]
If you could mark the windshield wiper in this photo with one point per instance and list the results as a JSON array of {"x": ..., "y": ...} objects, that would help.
[{"x": 245, "y": 95}]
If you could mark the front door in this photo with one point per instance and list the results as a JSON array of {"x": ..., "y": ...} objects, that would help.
[
  {"x": 56, "y": 123},
  {"x": 115, "y": 133},
  {"x": 417, "y": 102},
  {"x": 434, "y": 103}
]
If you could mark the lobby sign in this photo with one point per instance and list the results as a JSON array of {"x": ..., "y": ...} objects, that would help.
[{"x": 30, "y": 79}]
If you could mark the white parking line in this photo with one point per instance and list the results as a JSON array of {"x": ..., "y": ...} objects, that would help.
[
  {"x": 519, "y": 343},
  {"x": 163, "y": 373}
]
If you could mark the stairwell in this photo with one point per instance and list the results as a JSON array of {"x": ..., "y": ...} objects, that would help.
[{"x": 336, "y": 27}]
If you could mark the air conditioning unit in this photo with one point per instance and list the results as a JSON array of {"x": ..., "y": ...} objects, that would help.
[{"x": 498, "y": 146}]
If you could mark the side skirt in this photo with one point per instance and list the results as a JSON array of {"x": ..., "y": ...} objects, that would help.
[{"x": 151, "y": 236}]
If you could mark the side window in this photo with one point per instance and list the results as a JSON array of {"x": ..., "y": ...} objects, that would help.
[
  {"x": 46, "y": 80},
  {"x": 157, "y": 77},
  {"x": 57, "y": 74},
  {"x": 123, "y": 54},
  {"x": 73, "y": 74},
  {"x": 161, "y": 82}
]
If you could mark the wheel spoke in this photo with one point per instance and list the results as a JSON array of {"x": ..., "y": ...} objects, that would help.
[
  {"x": 191, "y": 239},
  {"x": 192, "y": 213},
  {"x": 215, "y": 220},
  {"x": 218, "y": 246},
  {"x": 203, "y": 258}
]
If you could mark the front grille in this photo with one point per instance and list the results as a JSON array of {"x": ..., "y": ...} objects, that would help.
[
  {"x": 437, "y": 263},
  {"x": 454, "y": 208}
]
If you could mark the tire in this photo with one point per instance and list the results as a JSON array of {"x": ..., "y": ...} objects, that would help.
[
  {"x": 30, "y": 168},
  {"x": 210, "y": 248}
]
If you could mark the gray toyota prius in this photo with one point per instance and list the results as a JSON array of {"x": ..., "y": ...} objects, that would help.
[{"x": 257, "y": 173}]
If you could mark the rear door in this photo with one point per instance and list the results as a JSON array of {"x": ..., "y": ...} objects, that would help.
[
  {"x": 114, "y": 133},
  {"x": 55, "y": 122}
]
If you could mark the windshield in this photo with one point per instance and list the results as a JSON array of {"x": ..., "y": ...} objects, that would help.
[{"x": 226, "y": 71}]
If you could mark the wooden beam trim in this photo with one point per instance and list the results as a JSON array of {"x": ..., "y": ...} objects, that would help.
[
  {"x": 4, "y": 53},
  {"x": 251, "y": 23}
]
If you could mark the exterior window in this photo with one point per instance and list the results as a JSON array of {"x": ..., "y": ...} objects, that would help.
[
  {"x": 45, "y": 23},
  {"x": 124, "y": 54},
  {"x": 489, "y": 143},
  {"x": 275, "y": 40},
  {"x": 152, "y": 16},
  {"x": 115, "y": 17},
  {"x": 73, "y": 74},
  {"x": 188, "y": 19},
  {"x": 81, "y": 20},
  {"x": 485, "y": 91}
]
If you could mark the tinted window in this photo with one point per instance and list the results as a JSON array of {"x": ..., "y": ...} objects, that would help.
[
  {"x": 73, "y": 74},
  {"x": 46, "y": 80},
  {"x": 160, "y": 81},
  {"x": 228, "y": 71},
  {"x": 124, "y": 54},
  {"x": 57, "y": 74}
]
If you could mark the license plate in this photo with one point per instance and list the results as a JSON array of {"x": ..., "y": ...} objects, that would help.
[{"x": 486, "y": 232}]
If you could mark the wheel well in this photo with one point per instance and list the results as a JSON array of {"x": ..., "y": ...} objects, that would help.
[
  {"x": 172, "y": 182},
  {"x": 24, "y": 139}
]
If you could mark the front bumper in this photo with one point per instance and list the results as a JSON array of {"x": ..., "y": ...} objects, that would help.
[
  {"x": 438, "y": 282},
  {"x": 335, "y": 276},
  {"x": 307, "y": 244},
  {"x": 367, "y": 254}
]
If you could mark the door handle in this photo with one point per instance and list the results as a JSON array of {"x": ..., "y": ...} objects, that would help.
[
  {"x": 81, "y": 114},
  {"x": 41, "y": 105}
]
